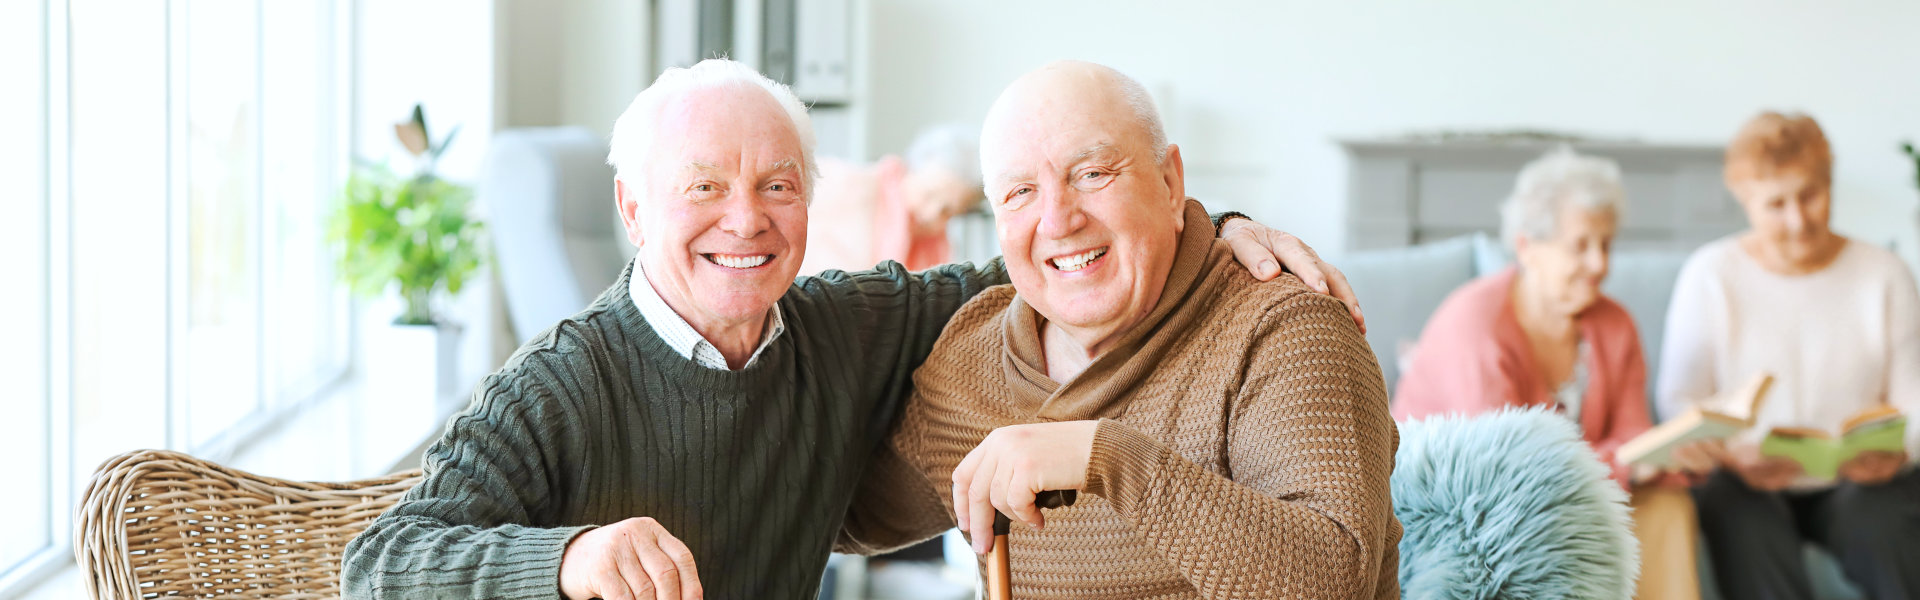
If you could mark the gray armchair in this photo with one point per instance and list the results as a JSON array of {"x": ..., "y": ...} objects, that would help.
[{"x": 558, "y": 241}]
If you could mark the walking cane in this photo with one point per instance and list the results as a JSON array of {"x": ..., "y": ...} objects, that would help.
[{"x": 999, "y": 577}]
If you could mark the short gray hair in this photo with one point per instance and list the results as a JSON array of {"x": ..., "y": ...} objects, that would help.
[
  {"x": 953, "y": 148},
  {"x": 1550, "y": 183},
  {"x": 633, "y": 132},
  {"x": 1144, "y": 110}
]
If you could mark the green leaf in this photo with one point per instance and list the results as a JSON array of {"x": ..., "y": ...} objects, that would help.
[{"x": 442, "y": 148}]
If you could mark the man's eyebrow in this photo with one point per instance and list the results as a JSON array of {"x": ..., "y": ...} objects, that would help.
[
  {"x": 702, "y": 167},
  {"x": 782, "y": 166},
  {"x": 1006, "y": 178},
  {"x": 1101, "y": 149}
]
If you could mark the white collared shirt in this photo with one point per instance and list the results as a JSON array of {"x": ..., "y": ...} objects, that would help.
[{"x": 681, "y": 335}]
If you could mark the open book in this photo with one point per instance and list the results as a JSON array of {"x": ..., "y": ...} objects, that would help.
[
  {"x": 1820, "y": 454},
  {"x": 1655, "y": 447}
]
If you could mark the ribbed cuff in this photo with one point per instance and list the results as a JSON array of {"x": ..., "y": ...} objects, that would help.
[
  {"x": 541, "y": 549},
  {"x": 1123, "y": 464}
]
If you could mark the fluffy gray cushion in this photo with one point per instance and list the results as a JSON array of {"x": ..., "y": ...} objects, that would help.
[{"x": 1510, "y": 504}]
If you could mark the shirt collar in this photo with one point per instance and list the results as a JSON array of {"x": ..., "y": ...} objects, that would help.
[{"x": 681, "y": 336}]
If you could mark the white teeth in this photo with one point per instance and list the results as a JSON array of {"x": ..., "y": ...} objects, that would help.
[
  {"x": 739, "y": 262},
  {"x": 1078, "y": 261}
]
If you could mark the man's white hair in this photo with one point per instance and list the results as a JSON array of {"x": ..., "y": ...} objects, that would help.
[
  {"x": 953, "y": 148},
  {"x": 1144, "y": 111},
  {"x": 1549, "y": 184},
  {"x": 633, "y": 132}
]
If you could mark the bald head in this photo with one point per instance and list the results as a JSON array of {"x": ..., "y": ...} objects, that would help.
[{"x": 1076, "y": 90}]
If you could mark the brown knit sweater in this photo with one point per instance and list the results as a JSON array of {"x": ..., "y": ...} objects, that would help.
[{"x": 1243, "y": 449}]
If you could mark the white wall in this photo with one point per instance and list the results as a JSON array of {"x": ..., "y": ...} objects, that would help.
[
  {"x": 1257, "y": 92},
  {"x": 434, "y": 52},
  {"x": 574, "y": 63}
]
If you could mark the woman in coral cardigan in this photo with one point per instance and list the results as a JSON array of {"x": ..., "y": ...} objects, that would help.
[{"x": 1541, "y": 334}]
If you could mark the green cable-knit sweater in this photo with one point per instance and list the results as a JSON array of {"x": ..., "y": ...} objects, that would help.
[{"x": 598, "y": 420}]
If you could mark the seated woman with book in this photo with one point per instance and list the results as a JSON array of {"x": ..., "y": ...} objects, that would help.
[
  {"x": 1541, "y": 334},
  {"x": 1836, "y": 322}
]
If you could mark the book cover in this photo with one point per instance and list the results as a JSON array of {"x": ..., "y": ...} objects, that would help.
[{"x": 1820, "y": 454}]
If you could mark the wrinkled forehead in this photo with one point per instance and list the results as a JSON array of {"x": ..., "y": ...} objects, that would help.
[
  {"x": 720, "y": 125},
  {"x": 1043, "y": 133}
]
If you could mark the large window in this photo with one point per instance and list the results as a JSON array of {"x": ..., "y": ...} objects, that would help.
[
  {"x": 165, "y": 280},
  {"x": 24, "y": 322}
]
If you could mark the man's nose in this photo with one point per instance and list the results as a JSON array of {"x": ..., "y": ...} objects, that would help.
[
  {"x": 1060, "y": 214},
  {"x": 745, "y": 213}
]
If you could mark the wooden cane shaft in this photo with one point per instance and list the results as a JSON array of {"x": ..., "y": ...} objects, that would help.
[{"x": 999, "y": 576}]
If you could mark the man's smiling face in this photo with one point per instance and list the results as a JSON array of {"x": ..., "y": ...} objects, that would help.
[
  {"x": 722, "y": 216},
  {"x": 1089, "y": 217}
]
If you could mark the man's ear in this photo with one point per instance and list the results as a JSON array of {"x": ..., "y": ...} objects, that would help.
[
  {"x": 1174, "y": 172},
  {"x": 626, "y": 202}
]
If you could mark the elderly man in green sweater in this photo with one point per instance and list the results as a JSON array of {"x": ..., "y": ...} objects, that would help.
[{"x": 702, "y": 426}]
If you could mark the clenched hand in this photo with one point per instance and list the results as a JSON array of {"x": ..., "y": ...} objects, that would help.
[{"x": 635, "y": 559}]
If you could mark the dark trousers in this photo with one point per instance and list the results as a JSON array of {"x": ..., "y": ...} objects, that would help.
[{"x": 1755, "y": 537}]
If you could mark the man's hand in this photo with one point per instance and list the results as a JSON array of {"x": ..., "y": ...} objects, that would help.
[
  {"x": 635, "y": 559},
  {"x": 1012, "y": 466},
  {"x": 1873, "y": 467},
  {"x": 1264, "y": 250},
  {"x": 1761, "y": 472}
]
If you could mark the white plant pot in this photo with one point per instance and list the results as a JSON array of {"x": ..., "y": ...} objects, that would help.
[{"x": 411, "y": 369}]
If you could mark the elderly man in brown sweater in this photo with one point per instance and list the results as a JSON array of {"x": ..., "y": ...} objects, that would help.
[{"x": 1231, "y": 437}]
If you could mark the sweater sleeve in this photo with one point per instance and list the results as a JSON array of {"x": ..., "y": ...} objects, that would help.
[
  {"x": 1627, "y": 409},
  {"x": 463, "y": 531},
  {"x": 1310, "y": 448},
  {"x": 1460, "y": 366},
  {"x": 890, "y": 318},
  {"x": 1903, "y": 333},
  {"x": 893, "y": 507},
  {"x": 1687, "y": 348}
]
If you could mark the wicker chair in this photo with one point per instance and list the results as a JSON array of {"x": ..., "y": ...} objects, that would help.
[{"x": 164, "y": 524}]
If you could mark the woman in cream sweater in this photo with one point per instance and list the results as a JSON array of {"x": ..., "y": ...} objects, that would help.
[{"x": 1837, "y": 323}]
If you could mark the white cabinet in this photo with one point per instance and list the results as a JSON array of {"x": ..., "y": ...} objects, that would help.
[
  {"x": 806, "y": 44},
  {"x": 822, "y": 57}
]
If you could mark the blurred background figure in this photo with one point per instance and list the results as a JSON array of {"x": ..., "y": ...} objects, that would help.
[
  {"x": 1540, "y": 333},
  {"x": 896, "y": 208},
  {"x": 1837, "y": 324}
]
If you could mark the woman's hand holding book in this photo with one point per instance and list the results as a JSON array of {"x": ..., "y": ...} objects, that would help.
[{"x": 1873, "y": 467}]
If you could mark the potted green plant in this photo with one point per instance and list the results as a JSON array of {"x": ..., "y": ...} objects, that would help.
[{"x": 413, "y": 235}]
